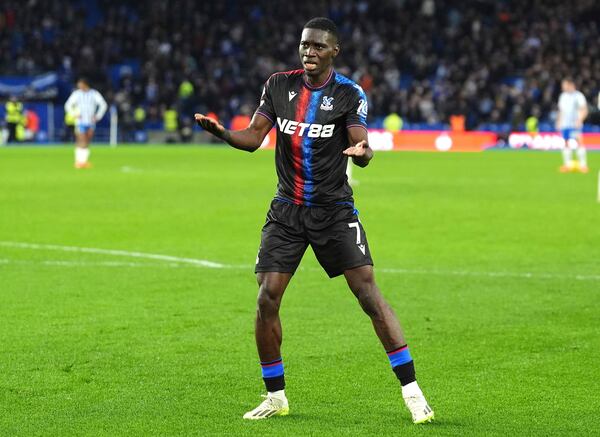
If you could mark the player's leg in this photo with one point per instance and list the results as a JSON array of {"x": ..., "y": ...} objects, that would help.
[
  {"x": 282, "y": 246},
  {"x": 581, "y": 153},
  {"x": 361, "y": 281},
  {"x": 80, "y": 155},
  {"x": 342, "y": 248},
  {"x": 271, "y": 286},
  {"x": 268, "y": 336},
  {"x": 89, "y": 134},
  {"x": 82, "y": 151},
  {"x": 567, "y": 152}
]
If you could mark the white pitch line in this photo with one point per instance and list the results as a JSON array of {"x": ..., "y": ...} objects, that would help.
[
  {"x": 193, "y": 261},
  {"x": 174, "y": 261},
  {"x": 128, "y": 169},
  {"x": 519, "y": 275},
  {"x": 70, "y": 263}
]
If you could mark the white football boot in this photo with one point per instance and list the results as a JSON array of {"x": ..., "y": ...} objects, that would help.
[
  {"x": 275, "y": 404},
  {"x": 417, "y": 404}
]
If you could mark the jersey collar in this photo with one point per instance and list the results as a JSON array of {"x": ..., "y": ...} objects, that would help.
[{"x": 323, "y": 85}]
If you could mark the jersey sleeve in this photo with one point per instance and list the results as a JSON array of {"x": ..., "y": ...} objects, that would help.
[
  {"x": 265, "y": 107},
  {"x": 102, "y": 105},
  {"x": 70, "y": 103},
  {"x": 581, "y": 102},
  {"x": 359, "y": 108}
]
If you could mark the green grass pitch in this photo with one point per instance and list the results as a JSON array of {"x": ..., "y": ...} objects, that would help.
[{"x": 491, "y": 261}]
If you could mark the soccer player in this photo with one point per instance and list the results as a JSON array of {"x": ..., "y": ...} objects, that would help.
[
  {"x": 88, "y": 106},
  {"x": 320, "y": 117},
  {"x": 572, "y": 111}
]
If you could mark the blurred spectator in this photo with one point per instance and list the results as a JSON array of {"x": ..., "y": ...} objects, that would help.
[
  {"x": 532, "y": 122},
  {"x": 392, "y": 122},
  {"x": 186, "y": 132},
  {"x": 457, "y": 123},
  {"x": 32, "y": 125},
  {"x": 186, "y": 97},
  {"x": 170, "y": 124},
  {"x": 13, "y": 118},
  {"x": 139, "y": 117}
]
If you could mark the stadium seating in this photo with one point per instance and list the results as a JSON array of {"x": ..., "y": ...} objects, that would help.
[{"x": 494, "y": 61}]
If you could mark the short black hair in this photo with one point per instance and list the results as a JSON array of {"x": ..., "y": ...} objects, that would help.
[
  {"x": 323, "y": 23},
  {"x": 84, "y": 79}
]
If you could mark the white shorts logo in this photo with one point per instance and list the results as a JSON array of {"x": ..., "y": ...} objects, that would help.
[{"x": 360, "y": 245}]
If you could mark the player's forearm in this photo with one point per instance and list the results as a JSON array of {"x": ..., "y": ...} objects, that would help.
[
  {"x": 245, "y": 139},
  {"x": 363, "y": 161}
]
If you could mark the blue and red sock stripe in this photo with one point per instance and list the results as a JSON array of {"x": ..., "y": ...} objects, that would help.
[
  {"x": 399, "y": 356},
  {"x": 272, "y": 369}
]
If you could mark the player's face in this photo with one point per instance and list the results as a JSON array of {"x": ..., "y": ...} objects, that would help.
[
  {"x": 317, "y": 50},
  {"x": 82, "y": 85},
  {"x": 567, "y": 86}
]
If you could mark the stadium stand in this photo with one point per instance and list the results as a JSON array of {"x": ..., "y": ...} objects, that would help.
[{"x": 496, "y": 62}]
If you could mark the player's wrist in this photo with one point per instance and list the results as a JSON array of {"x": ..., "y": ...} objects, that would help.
[{"x": 225, "y": 136}]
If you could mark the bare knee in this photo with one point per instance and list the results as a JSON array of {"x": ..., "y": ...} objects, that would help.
[
  {"x": 269, "y": 298},
  {"x": 370, "y": 298}
]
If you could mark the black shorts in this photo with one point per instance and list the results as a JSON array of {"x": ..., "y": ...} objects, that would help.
[{"x": 334, "y": 233}]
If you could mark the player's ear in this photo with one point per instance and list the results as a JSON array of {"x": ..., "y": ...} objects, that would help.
[{"x": 336, "y": 49}]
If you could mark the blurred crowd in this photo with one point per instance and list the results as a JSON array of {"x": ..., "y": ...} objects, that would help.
[{"x": 427, "y": 60}]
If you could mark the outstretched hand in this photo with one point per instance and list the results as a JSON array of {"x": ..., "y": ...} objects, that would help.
[
  {"x": 359, "y": 149},
  {"x": 210, "y": 125}
]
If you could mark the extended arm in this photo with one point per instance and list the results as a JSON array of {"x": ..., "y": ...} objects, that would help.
[
  {"x": 360, "y": 152},
  {"x": 581, "y": 115},
  {"x": 70, "y": 103},
  {"x": 248, "y": 139},
  {"x": 102, "y": 106}
]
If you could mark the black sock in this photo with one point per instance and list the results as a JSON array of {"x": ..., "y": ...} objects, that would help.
[
  {"x": 275, "y": 384},
  {"x": 405, "y": 372}
]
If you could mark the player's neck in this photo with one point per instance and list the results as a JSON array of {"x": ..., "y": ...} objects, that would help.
[{"x": 317, "y": 81}]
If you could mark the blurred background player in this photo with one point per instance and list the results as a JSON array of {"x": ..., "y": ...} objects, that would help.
[
  {"x": 88, "y": 106},
  {"x": 572, "y": 111}
]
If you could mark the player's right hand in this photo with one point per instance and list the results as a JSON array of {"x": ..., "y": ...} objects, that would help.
[{"x": 210, "y": 125}]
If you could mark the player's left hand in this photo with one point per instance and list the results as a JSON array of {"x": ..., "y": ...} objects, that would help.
[{"x": 359, "y": 149}]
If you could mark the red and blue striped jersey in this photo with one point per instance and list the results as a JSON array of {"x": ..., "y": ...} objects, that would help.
[{"x": 312, "y": 132}]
